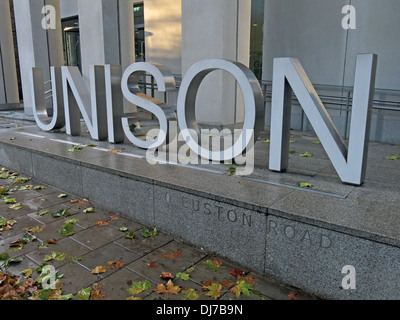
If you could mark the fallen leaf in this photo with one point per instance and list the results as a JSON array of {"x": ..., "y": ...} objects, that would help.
[
  {"x": 66, "y": 297},
  {"x": 252, "y": 280},
  {"x": 36, "y": 229},
  {"x": 293, "y": 295},
  {"x": 55, "y": 255},
  {"x": 115, "y": 264},
  {"x": 166, "y": 276},
  {"x": 52, "y": 241},
  {"x": 172, "y": 255},
  {"x": 152, "y": 264},
  {"x": 27, "y": 273},
  {"x": 242, "y": 287},
  {"x": 227, "y": 284},
  {"x": 213, "y": 265},
  {"x": 306, "y": 155},
  {"x": 16, "y": 207},
  {"x": 114, "y": 151},
  {"x": 96, "y": 293},
  {"x": 190, "y": 270},
  {"x": 7, "y": 200},
  {"x": 76, "y": 149},
  {"x": 183, "y": 276},
  {"x": 61, "y": 213},
  {"x": 237, "y": 273},
  {"x": 80, "y": 202},
  {"x": 62, "y": 195},
  {"x": 42, "y": 212},
  {"x": 146, "y": 233},
  {"x": 99, "y": 270},
  {"x": 190, "y": 294},
  {"x": 84, "y": 294},
  {"x": 305, "y": 185},
  {"x": 5, "y": 261},
  {"x": 139, "y": 287},
  {"x": 102, "y": 223},
  {"x": 113, "y": 218},
  {"x": 130, "y": 235},
  {"x": 88, "y": 210},
  {"x": 68, "y": 228},
  {"x": 169, "y": 289},
  {"x": 214, "y": 291}
]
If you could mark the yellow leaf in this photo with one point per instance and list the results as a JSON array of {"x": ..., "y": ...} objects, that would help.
[
  {"x": 114, "y": 151},
  {"x": 214, "y": 291},
  {"x": 99, "y": 269}
]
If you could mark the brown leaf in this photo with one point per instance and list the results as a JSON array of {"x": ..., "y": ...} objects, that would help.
[
  {"x": 114, "y": 151},
  {"x": 206, "y": 284},
  {"x": 227, "y": 284},
  {"x": 237, "y": 273},
  {"x": 172, "y": 255},
  {"x": 152, "y": 264},
  {"x": 102, "y": 223},
  {"x": 170, "y": 288},
  {"x": 80, "y": 202},
  {"x": 166, "y": 276},
  {"x": 115, "y": 264},
  {"x": 113, "y": 218},
  {"x": 16, "y": 244},
  {"x": 293, "y": 295},
  {"x": 52, "y": 241},
  {"x": 97, "y": 294},
  {"x": 251, "y": 280}
]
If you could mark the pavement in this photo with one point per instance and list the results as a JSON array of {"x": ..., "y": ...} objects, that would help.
[{"x": 100, "y": 239}]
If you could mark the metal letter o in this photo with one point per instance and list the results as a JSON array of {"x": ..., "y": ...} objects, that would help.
[{"x": 253, "y": 100}]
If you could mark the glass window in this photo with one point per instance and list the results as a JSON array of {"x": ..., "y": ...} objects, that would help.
[
  {"x": 140, "y": 54},
  {"x": 256, "y": 37},
  {"x": 71, "y": 39}
]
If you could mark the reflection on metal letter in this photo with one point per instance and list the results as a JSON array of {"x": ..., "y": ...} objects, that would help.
[
  {"x": 78, "y": 99},
  {"x": 350, "y": 163},
  {"x": 253, "y": 99},
  {"x": 164, "y": 112},
  {"x": 40, "y": 112}
]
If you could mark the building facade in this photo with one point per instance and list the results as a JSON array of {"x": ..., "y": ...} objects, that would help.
[{"x": 325, "y": 35}]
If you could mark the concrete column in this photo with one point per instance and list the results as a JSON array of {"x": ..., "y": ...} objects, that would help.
[
  {"x": 107, "y": 33},
  {"x": 163, "y": 32},
  {"x": 8, "y": 71},
  {"x": 37, "y": 47},
  {"x": 163, "y": 29},
  {"x": 217, "y": 29}
]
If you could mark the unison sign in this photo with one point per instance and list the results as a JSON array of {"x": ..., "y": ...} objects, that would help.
[{"x": 102, "y": 108}]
